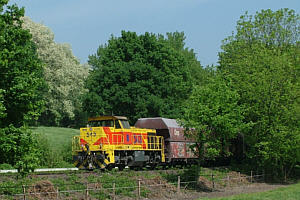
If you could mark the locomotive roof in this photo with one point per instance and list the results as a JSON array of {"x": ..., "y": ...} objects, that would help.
[
  {"x": 106, "y": 118},
  {"x": 157, "y": 123}
]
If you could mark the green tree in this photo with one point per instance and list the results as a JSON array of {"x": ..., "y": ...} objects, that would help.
[
  {"x": 19, "y": 148},
  {"x": 21, "y": 71},
  {"x": 215, "y": 116},
  {"x": 63, "y": 73},
  {"x": 140, "y": 76},
  {"x": 262, "y": 62},
  {"x": 20, "y": 82}
]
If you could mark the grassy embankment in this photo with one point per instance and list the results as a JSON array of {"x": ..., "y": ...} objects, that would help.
[
  {"x": 57, "y": 143},
  {"x": 126, "y": 182}
]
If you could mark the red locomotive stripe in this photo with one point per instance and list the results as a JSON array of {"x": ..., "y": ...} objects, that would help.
[
  {"x": 97, "y": 142},
  {"x": 102, "y": 140},
  {"x": 109, "y": 138},
  {"x": 83, "y": 142},
  {"x": 108, "y": 133}
]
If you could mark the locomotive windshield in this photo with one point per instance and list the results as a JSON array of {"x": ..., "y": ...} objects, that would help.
[
  {"x": 125, "y": 123},
  {"x": 107, "y": 123}
]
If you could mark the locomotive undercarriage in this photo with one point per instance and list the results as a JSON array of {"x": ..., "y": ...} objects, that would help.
[
  {"x": 180, "y": 162},
  {"x": 131, "y": 158}
]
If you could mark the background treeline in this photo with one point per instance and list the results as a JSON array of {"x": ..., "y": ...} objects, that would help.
[{"x": 251, "y": 96}]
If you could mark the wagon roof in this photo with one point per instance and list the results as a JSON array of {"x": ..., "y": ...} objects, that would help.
[{"x": 157, "y": 123}]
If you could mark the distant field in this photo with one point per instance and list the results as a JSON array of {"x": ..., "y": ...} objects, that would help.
[
  {"x": 291, "y": 192},
  {"x": 57, "y": 137}
]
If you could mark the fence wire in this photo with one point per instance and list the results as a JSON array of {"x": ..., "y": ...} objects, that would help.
[{"x": 141, "y": 189}]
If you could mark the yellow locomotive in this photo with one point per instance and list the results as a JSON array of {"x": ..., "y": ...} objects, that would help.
[{"x": 109, "y": 141}]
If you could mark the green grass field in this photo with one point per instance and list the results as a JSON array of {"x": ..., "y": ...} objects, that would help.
[
  {"x": 56, "y": 136},
  {"x": 58, "y": 144},
  {"x": 291, "y": 192}
]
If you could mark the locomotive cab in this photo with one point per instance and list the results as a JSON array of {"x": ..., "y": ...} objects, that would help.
[
  {"x": 118, "y": 122},
  {"x": 109, "y": 141}
]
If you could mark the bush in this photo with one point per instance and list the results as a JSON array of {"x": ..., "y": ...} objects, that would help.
[
  {"x": 6, "y": 166},
  {"x": 19, "y": 148},
  {"x": 52, "y": 156}
]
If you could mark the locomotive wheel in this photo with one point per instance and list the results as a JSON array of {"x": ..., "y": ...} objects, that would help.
[
  {"x": 109, "y": 167},
  {"x": 121, "y": 167},
  {"x": 152, "y": 166}
]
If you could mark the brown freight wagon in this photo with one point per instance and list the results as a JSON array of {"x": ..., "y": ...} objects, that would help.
[{"x": 177, "y": 146}]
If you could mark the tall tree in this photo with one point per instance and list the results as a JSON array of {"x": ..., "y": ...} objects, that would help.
[
  {"x": 20, "y": 81},
  {"x": 215, "y": 116},
  {"x": 262, "y": 62},
  {"x": 140, "y": 76},
  {"x": 21, "y": 71},
  {"x": 64, "y": 75}
]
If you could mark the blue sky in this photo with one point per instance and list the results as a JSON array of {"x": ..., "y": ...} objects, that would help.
[{"x": 85, "y": 24}]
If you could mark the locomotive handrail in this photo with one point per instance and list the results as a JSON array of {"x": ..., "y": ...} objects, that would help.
[{"x": 155, "y": 142}]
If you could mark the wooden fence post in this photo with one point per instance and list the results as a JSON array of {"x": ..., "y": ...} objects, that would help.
[
  {"x": 228, "y": 180},
  {"x": 24, "y": 192},
  {"x": 178, "y": 184},
  {"x": 139, "y": 188},
  {"x": 87, "y": 192},
  {"x": 57, "y": 193},
  {"x": 251, "y": 176},
  {"x": 114, "y": 191},
  {"x": 212, "y": 180},
  {"x": 160, "y": 186}
]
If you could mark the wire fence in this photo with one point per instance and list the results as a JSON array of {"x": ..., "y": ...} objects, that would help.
[{"x": 142, "y": 188}]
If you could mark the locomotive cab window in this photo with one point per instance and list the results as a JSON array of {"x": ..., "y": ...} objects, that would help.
[
  {"x": 117, "y": 124},
  {"x": 94, "y": 123},
  {"x": 105, "y": 123},
  {"x": 108, "y": 123},
  {"x": 125, "y": 123}
]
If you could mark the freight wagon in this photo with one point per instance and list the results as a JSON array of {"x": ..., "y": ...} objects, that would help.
[{"x": 177, "y": 147}]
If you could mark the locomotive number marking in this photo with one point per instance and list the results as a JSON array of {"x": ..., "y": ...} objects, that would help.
[{"x": 90, "y": 134}]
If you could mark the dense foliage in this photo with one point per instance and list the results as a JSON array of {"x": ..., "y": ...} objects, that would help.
[
  {"x": 262, "y": 61},
  {"x": 140, "y": 76},
  {"x": 214, "y": 113},
  {"x": 64, "y": 76},
  {"x": 21, "y": 70},
  {"x": 19, "y": 148},
  {"x": 20, "y": 81},
  {"x": 254, "y": 93}
]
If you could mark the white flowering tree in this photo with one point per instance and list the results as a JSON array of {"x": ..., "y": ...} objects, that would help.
[{"x": 63, "y": 74}]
